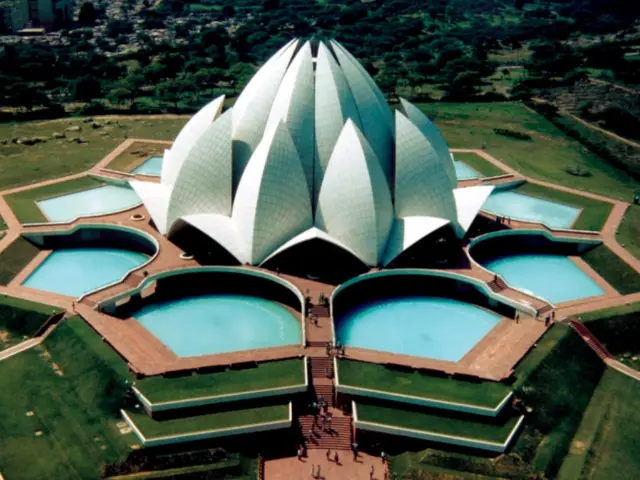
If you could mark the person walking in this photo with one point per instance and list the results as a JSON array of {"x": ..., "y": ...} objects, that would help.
[
  {"x": 336, "y": 458},
  {"x": 372, "y": 472},
  {"x": 313, "y": 471},
  {"x": 328, "y": 454},
  {"x": 383, "y": 457}
]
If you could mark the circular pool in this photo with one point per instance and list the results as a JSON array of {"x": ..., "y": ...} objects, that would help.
[
  {"x": 433, "y": 327},
  {"x": 211, "y": 324}
]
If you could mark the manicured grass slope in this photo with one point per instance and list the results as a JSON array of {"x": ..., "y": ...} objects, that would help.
[
  {"x": 379, "y": 377},
  {"x": 629, "y": 230},
  {"x": 75, "y": 410},
  {"x": 213, "y": 421},
  {"x": 606, "y": 444},
  {"x": 490, "y": 430},
  {"x": 613, "y": 269},
  {"x": 14, "y": 258},
  {"x": 479, "y": 164},
  {"x": 21, "y": 318},
  {"x": 264, "y": 375},
  {"x": 24, "y": 205},
  {"x": 594, "y": 213},
  {"x": 20, "y": 165},
  {"x": 557, "y": 380}
]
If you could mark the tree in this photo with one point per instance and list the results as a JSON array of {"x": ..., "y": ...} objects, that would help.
[
  {"x": 239, "y": 74},
  {"x": 87, "y": 15},
  {"x": 86, "y": 88},
  {"x": 120, "y": 95},
  {"x": 119, "y": 27}
]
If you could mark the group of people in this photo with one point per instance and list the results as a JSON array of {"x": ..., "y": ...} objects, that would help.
[
  {"x": 503, "y": 220},
  {"x": 337, "y": 349},
  {"x": 548, "y": 320}
]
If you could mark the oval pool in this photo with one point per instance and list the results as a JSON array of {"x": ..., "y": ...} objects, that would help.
[
  {"x": 76, "y": 271},
  {"x": 431, "y": 327},
  {"x": 554, "y": 277},
  {"x": 211, "y": 324},
  {"x": 151, "y": 166}
]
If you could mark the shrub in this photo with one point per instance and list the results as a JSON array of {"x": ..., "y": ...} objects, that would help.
[
  {"x": 512, "y": 133},
  {"x": 578, "y": 171}
]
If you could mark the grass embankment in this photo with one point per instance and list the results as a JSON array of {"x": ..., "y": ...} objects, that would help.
[
  {"x": 437, "y": 421},
  {"x": 264, "y": 375},
  {"x": 20, "y": 319},
  {"x": 15, "y": 257},
  {"x": 613, "y": 269},
  {"x": 629, "y": 229},
  {"x": 618, "y": 329},
  {"x": 58, "y": 407},
  {"x": 3, "y": 225},
  {"x": 593, "y": 215},
  {"x": 379, "y": 377},
  {"x": 545, "y": 157},
  {"x": 20, "y": 164},
  {"x": 134, "y": 155},
  {"x": 479, "y": 164},
  {"x": 24, "y": 204},
  {"x": 556, "y": 379},
  {"x": 606, "y": 444},
  {"x": 152, "y": 428}
]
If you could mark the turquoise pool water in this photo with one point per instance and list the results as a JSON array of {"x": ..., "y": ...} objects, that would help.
[
  {"x": 151, "y": 166},
  {"x": 464, "y": 171},
  {"x": 106, "y": 199},
  {"x": 516, "y": 205},
  {"x": 432, "y": 327},
  {"x": 220, "y": 324},
  {"x": 76, "y": 271},
  {"x": 554, "y": 277}
]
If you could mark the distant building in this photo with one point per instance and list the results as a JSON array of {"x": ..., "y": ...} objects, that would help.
[{"x": 50, "y": 14}]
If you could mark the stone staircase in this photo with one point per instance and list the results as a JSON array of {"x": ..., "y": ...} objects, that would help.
[
  {"x": 321, "y": 367},
  {"x": 337, "y": 438},
  {"x": 497, "y": 284},
  {"x": 588, "y": 337}
]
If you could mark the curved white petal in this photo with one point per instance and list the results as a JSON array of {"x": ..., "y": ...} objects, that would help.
[
  {"x": 272, "y": 203},
  {"x": 155, "y": 197},
  {"x": 408, "y": 231},
  {"x": 203, "y": 184},
  {"x": 294, "y": 106},
  {"x": 469, "y": 201},
  {"x": 373, "y": 114},
  {"x": 251, "y": 110},
  {"x": 221, "y": 229},
  {"x": 186, "y": 139},
  {"x": 311, "y": 234},
  {"x": 434, "y": 136},
  {"x": 334, "y": 104},
  {"x": 382, "y": 102},
  {"x": 422, "y": 186},
  {"x": 354, "y": 204}
]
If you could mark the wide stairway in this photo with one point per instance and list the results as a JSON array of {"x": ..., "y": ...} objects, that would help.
[{"x": 337, "y": 438}]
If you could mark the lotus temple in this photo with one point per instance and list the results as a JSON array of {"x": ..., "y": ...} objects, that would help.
[{"x": 316, "y": 245}]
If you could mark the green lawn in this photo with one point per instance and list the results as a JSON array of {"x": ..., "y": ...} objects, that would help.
[
  {"x": 24, "y": 204},
  {"x": 73, "y": 390},
  {"x": 545, "y": 157},
  {"x": 629, "y": 230},
  {"x": 151, "y": 428},
  {"x": 541, "y": 350},
  {"x": 379, "y": 377},
  {"x": 20, "y": 319},
  {"x": 14, "y": 258},
  {"x": 607, "y": 442},
  {"x": 594, "y": 213},
  {"x": 613, "y": 269},
  {"x": 479, "y": 164},
  {"x": 20, "y": 164},
  {"x": 264, "y": 375},
  {"x": 488, "y": 429},
  {"x": 3, "y": 225}
]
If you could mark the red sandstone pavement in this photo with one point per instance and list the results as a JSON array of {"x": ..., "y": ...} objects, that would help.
[{"x": 294, "y": 469}]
